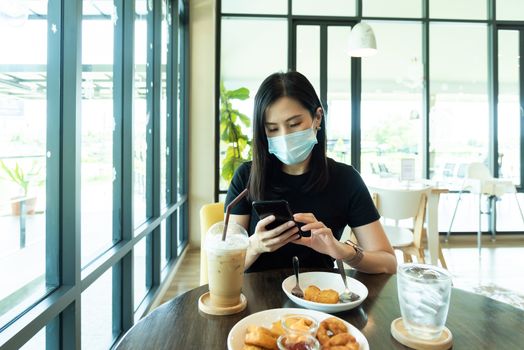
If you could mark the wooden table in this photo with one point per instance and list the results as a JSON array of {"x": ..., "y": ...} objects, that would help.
[{"x": 477, "y": 322}]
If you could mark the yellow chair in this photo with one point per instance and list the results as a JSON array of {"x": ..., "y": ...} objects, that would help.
[{"x": 209, "y": 214}]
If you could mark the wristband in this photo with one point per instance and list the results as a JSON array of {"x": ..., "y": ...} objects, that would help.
[{"x": 359, "y": 254}]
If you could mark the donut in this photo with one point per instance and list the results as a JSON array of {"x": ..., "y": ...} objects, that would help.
[{"x": 329, "y": 328}]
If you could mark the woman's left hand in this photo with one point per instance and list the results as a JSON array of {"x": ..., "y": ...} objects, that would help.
[{"x": 322, "y": 239}]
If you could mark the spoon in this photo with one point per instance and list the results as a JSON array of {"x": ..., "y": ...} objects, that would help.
[{"x": 348, "y": 296}]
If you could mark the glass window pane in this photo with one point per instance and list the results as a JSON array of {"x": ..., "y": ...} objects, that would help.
[
  {"x": 308, "y": 54},
  {"x": 392, "y": 101},
  {"x": 139, "y": 271},
  {"x": 388, "y": 8},
  {"x": 510, "y": 10},
  {"x": 509, "y": 109},
  {"x": 324, "y": 8},
  {"x": 140, "y": 116},
  {"x": 97, "y": 136},
  {"x": 463, "y": 9},
  {"x": 245, "y": 63},
  {"x": 273, "y": 7},
  {"x": 338, "y": 116},
  {"x": 23, "y": 125},
  {"x": 459, "y": 98},
  {"x": 97, "y": 313}
]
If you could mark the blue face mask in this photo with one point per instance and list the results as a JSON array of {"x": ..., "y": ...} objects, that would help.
[{"x": 293, "y": 148}]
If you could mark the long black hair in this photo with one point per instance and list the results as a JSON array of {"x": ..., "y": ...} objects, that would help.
[{"x": 296, "y": 86}]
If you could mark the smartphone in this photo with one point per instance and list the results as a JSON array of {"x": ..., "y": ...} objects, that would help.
[{"x": 279, "y": 208}]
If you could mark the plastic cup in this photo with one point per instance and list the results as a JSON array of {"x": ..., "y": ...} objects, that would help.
[
  {"x": 297, "y": 341},
  {"x": 225, "y": 263},
  {"x": 423, "y": 293}
]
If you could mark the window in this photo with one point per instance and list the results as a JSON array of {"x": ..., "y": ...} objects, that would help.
[
  {"x": 98, "y": 126},
  {"x": 23, "y": 156},
  {"x": 80, "y": 112}
]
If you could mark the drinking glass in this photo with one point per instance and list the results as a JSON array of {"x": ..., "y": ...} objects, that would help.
[{"x": 423, "y": 293}]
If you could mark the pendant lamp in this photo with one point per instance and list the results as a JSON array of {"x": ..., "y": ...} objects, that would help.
[{"x": 362, "y": 42}]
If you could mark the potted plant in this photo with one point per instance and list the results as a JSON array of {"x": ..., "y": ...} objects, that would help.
[
  {"x": 231, "y": 120},
  {"x": 24, "y": 180}
]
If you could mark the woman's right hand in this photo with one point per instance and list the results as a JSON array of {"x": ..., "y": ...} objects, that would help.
[{"x": 263, "y": 241}]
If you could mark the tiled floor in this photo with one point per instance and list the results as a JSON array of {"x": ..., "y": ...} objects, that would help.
[{"x": 496, "y": 274}]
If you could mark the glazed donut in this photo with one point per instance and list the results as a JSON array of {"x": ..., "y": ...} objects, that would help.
[
  {"x": 252, "y": 347},
  {"x": 341, "y": 341},
  {"x": 261, "y": 337},
  {"x": 329, "y": 328}
]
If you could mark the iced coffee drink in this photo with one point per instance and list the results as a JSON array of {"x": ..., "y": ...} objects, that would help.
[{"x": 225, "y": 263}]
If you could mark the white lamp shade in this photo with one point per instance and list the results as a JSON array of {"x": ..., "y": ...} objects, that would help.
[{"x": 362, "y": 42}]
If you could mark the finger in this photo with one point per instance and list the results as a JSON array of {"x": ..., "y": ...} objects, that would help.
[
  {"x": 304, "y": 217},
  {"x": 313, "y": 226},
  {"x": 305, "y": 241},
  {"x": 265, "y": 221},
  {"x": 283, "y": 238},
  {"x": 277, "y": 231}
]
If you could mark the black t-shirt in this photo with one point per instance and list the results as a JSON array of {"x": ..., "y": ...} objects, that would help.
[{"x": 345, "y": 201}]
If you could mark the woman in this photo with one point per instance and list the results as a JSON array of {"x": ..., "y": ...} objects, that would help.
[{"x": 289, "y": 162}]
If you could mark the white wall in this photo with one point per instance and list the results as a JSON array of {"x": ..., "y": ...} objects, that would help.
[{"x": 201, "y": 111}]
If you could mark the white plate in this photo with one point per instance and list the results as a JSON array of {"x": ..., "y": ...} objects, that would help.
[
  {"x": 235, "y": 339},
  {"x": 325, "y": 280}
]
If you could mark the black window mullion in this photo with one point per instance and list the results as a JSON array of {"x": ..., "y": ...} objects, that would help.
[
  {"x": 70, "y": 105},
  {"x": 172, "y": 128},
  {"x": 521, "y": 100},
  {"x": 324, "y": 65},
  {"x": 426, "y": 95},
  {"x": 153, "y": 240}
]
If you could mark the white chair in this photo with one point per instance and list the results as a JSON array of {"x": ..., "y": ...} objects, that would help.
[
  {"x": 402, "y": 204},
  {"x": 479, "y": 181}
]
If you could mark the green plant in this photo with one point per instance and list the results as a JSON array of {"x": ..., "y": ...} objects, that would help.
[
  {"x": 231, "y": 121},
  {"x": 24, "y": 179}
]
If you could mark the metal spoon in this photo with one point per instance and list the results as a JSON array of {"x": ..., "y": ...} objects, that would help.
[
  {"x": 348, "y": 296},
  {"x": 296, "y": 291}
]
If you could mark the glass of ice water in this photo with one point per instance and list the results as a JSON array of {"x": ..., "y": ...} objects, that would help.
[{"x": 423, "y": 294}]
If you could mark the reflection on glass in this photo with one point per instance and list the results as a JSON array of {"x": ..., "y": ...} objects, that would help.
[
  {"x": 163, "y": 107},
  {"x": 459, "y": 9},
  {"x": 265, "y": 55},
  {"x": 338, "y": 118},
  {"x": 324, "y": 8},
  {"x": 97, "y": 313},
  {"x": 23, "y": 127},
  {"x": 140, "y": 115},
  {"x": 459, "y": 98},
  {"x": 273, "y": 7},
  {"x": 510, "y": 10},
  {"x": 391, "y": 107},
  {"x": 388, "y": 8},
  {"x": 308, "y": 54},
  {"x": 139, "y": 272},
  {"x": 509, "y": 109},
  {"x": 97, "y": 134}
]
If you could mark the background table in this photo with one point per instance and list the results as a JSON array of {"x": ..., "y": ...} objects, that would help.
[{"x": 477, "y": 322}]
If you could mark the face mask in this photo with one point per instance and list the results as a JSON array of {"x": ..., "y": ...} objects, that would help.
[{"x": 293, "y": 148}]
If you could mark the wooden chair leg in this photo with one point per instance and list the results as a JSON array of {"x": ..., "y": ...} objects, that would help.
[
  {"x": 420, "y": 257},
  {"x": 441, "y": 258}
]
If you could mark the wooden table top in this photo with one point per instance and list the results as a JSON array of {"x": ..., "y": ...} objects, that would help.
[{"x": 477, "y": 322}]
